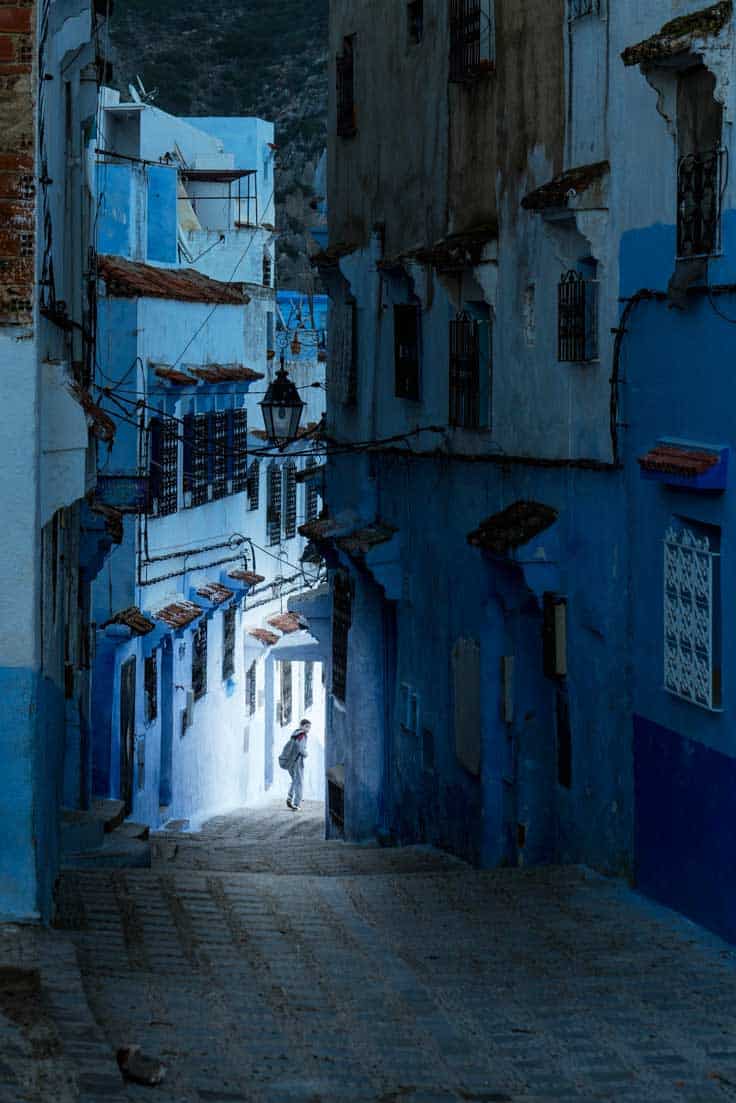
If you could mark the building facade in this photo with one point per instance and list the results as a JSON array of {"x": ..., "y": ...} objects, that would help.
[
  {"x": 528, "y": 501},
  {"x": 189, "y": 332},
  {"x": 51, "y": 60}
]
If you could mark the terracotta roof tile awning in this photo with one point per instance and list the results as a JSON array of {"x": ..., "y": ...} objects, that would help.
[
  {"x": 286, "y": 622},
  {"x": 308, "y": 473},
  {"x": 215, "y": 592},
  {"x": 114, "y": 525},
  {"x": 268, "y": 639},
  {"x": 677, "y": 36},
  {"x": 173, "y": 375},
  {"x": 322, "y": 528},
  {"x": 127, "y": 279},
  {"x": 179, "y": 614},
  {"x": 513, "y": 527},
  {"x": 670, "y": 459},
  {"x": 225, "y": 373},
  {"x": 362, "y": 540},
  {"x": 555, "y": 193},
  {"x": 132, "y": 618},
  {"x": 249, "y": 577}
]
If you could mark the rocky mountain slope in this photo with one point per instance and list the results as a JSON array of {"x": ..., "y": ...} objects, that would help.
[{"x": 248, "y": 57}]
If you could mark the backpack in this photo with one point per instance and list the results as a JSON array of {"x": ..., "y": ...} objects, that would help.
[{"x": 288, "y": 754}]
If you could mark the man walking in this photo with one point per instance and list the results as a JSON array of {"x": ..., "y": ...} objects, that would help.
[{"x": 297, "y": 752}]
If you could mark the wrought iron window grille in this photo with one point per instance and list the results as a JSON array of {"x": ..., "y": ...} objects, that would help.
[
  {"x": 250, "y": 689},
  {"x": 308, "y": 685},
  {"x": 163, "y": 467},
  {"x": 150, "y": 687},
  {"x": 228, "y": 644},
  {"x": 577, "y": 319},
  {"x": 290, "y": 499},
  {"x": 579, "y": 8},
  {"x": 690, "y": 630},
  {"x": 313, "y": 490},
  {"x": 286, "y": 693},
  {"x": 267, "y": 269},
  {"x": 472, "y": 39},
  {"x": 199, "y": 660},
  {"x": 464, "y": 372},
  {"x": 254, "y": 485},
  {"x": 406, "y": 351},
  {"x": 273, "y": 504},
  {"x": 700, "y": 181},
  {"x": 345, "y": 69},
  {"x": 239, "y": 451},
  {"x": 218, "y": 437},
  {"x": 198, "y": 478},
  {"x": 341, "y": 619}
]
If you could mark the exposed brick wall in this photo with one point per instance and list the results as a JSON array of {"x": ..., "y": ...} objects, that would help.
[{"x": 17, "y": 181}]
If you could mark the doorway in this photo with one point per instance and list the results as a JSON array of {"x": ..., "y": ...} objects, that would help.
[{"x": 127, "y": 732}]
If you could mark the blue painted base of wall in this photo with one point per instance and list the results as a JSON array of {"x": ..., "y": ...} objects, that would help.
[
  {"x": 31, "y": 748},
  {"x": 685, "y": 841}
]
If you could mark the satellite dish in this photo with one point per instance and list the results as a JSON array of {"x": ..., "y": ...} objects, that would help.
[{"x": 134, "y": 94}]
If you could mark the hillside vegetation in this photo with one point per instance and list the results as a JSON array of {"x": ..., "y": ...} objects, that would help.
[{"x": 250, "y": 57}]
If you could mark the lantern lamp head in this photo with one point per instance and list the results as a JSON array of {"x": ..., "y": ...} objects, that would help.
[{"x": 282, "y": 409}]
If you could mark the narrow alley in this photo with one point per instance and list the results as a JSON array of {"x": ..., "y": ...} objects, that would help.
[{"x": 260, "y": 963}]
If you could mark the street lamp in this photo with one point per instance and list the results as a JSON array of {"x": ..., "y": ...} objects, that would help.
[{"x": 282, "y": 409}]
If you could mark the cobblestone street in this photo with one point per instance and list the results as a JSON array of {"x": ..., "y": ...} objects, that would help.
[{"x": 260, "y": 963}]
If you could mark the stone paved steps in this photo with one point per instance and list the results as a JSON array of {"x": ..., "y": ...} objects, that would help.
[
  {"x": 341, "y": 974},
  {"x": 51, "y": 1047}
]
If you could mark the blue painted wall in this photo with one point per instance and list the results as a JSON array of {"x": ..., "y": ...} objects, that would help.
[
  {"x": 686, "y": 825},
  {"x": 451, "y": 590},
  {"x": 31, "y": 749},
  {"x": 114, "y": 218},
  {"x": 678, "y": 381},
  {"x": 162, "y": 214}
]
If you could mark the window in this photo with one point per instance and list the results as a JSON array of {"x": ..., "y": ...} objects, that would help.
[
  {"x": 228, "y": 643},
  {"x": 578, "y": 8},
  {"x": 290, "y": 499},
  {"x": 346, "y": 126},
  {"x": 199, "y": 660},
  {"x": 196, "y": 458},
  {"x": 406, "y": 351},
  {"x": 250, "y": 689},
  {"x": 164, "y": 466},
  {"x": 700, "y": 168},
  {"x": 219, "y": 451},
  {"x": 577, "y": 315},
  {"x": 273, "y": 504},
  {"x": 341, "y": 616},
  {"x": 472, "y": 38},
  {"x": 254, "y": 485},
  {"x": 415, "y": 20},
  {"x": 308, "y": 686},
  {"x": 239, "y": 451},
  {"x": 150, "y": 687},
  {"x": 464, "y": 372},
  {"x": 286, "y": 696},
  {"x": 691, "y": 627},
  {"x": 312, "y": 493},
  {"x": 344, "y": 353},
  {"x": 267, "y": 268}
]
